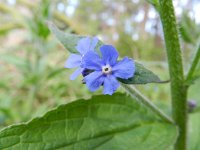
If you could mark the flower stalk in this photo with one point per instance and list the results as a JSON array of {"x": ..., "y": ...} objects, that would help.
[{"x": 133, "y": 92}]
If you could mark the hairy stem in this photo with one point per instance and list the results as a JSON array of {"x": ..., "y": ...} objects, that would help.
[
  {"x": 133, "y": 92},
  {"x": 194, "y": 65},
  {"x": 178, "y": 87}
]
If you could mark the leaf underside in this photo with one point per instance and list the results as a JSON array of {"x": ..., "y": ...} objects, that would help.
[{"x": 141, "y": 76}]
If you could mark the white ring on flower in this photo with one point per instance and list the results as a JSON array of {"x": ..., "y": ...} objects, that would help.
[{"x": 106, "y": 69}]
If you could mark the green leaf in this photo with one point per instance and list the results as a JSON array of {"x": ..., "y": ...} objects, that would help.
[
  {"x": 142, "y": 75},
  {"x": 101, "y": 123},
  {"x": 68, "y": 40},
  {"x": 189, "y": 30}
]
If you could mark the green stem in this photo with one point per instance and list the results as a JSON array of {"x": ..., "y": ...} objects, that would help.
[
  {"x": 141, "y": 98},
  {"x": 178, "y": 87},
  {"x": 194, "y": 65}
]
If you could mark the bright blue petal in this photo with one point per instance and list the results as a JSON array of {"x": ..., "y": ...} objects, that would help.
[
  {"x": 109, "y": 54},
  {"x": 94, "y": 80},
  {"x": 110, "y": 85},
  {"x": 83, "y": 45},
  {"x": 76, "y": 74},
  {"x": 91, "y": 60},
  {"x": 124, "y": 69},
  {"x": 73, "y": 61},
  {"x": 86, "y": 44},
  {"x": 94, "y": 42}
]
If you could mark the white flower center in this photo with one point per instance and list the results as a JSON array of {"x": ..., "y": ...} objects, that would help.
[{"x": 106, "y": 69}]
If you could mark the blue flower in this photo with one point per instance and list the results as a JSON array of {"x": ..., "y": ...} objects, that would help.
[
  {"x": 106, "y": 69},
  {"x": 74, "y": 60}
]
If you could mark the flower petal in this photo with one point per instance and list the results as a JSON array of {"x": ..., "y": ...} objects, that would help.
[
  {"x": 109, "y": 54},
  {"x": 110, "y": 85},
  {"x": 94, "y": 42},
  {"x": 94, "y": 80},
  {"x": 76, "y": 73},
  {"x": 73, "y": 61},
  {"x": 86, "y": 44},
  {"x": 91, "y": 60},
  {"x": 124, "y": 69}
]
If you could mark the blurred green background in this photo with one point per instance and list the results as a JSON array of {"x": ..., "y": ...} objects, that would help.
[{"x": 32, "y": 74}]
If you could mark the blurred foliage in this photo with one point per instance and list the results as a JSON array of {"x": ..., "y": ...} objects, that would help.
[
  {"x": 33, "y": 78},
  {"x": 189, "y": 30}
]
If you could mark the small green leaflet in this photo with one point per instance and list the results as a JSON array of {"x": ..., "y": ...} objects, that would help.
[
  {"x": 69, "y": 41},
  {"x": 142, "y": 76},
  {"x": 101, "y": 123}
]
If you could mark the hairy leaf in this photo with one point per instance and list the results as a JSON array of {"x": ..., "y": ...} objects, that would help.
[
  {"x": 141, "y": 76},
  {"x": 189, "y": 31},
  {"x": 68, "y": 40},
  {"x": 101, "y": 123}
]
